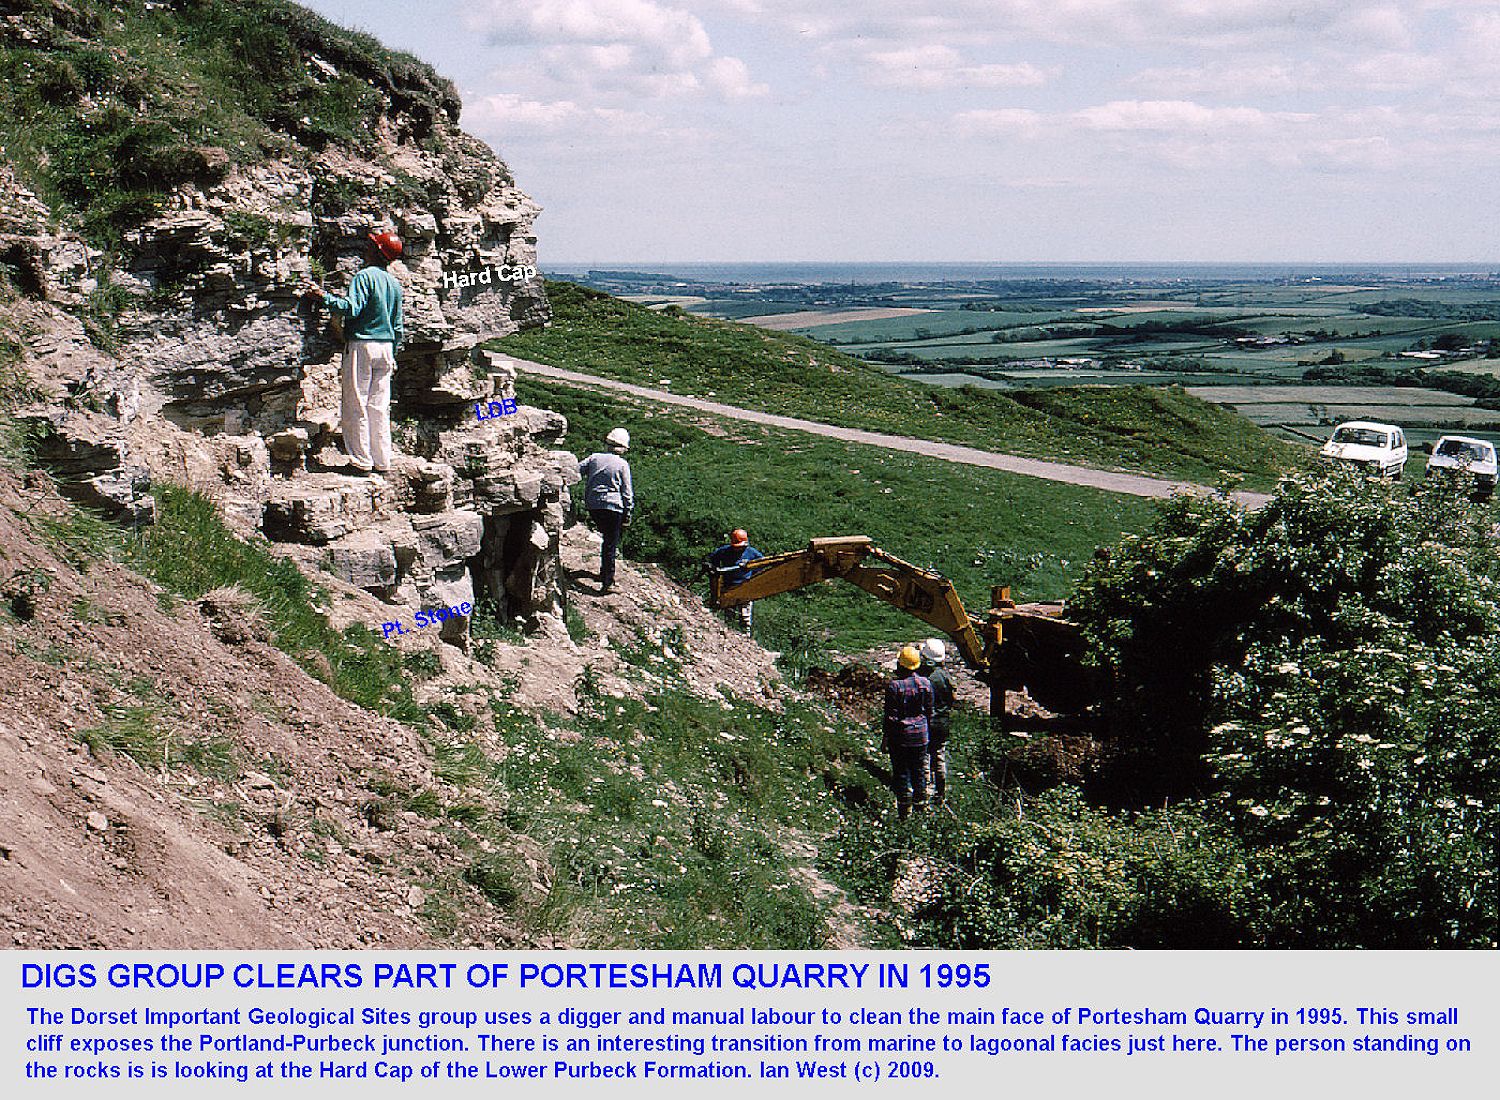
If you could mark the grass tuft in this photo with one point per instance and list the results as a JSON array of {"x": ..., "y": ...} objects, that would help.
[
  {"x": 137, "y": 732},
  {"x": 498, "y": 877}
]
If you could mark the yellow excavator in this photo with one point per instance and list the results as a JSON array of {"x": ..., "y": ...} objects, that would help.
[{"x": 1041, "y": 650}]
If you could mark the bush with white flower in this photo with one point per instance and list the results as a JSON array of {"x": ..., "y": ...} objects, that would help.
[{"x": 1322, "y": 677}]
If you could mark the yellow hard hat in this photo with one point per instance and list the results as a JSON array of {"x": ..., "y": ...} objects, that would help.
[{"x": 909, "y": 657}]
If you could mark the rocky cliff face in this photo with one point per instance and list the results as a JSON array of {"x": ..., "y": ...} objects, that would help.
[{"x": 182, "y": 351}]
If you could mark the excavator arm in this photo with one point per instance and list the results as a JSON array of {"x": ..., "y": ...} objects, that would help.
[
  {"x": 1043, "y": 651},
  {"x": 919, "y": 592}
]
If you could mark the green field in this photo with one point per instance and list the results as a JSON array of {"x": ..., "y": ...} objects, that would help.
[
  {"x": 938, "y": 323},
  {"x": 1219, "y": 340},
  {"x": 734, "y": 311},
  {"x": 1297, "y": 412},
  {"x": 956, "y": 379},
  {"x": 1136, "y": 428}
]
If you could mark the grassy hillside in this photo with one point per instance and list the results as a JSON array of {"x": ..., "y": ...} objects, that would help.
[
  {"x": 104, "y": 108},
  {"x": 666, "y": 817},
  {"x": 1158, "y": 431},
  {"x": 978, "y": 527}
]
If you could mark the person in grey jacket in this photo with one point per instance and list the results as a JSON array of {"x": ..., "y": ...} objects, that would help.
[{"x": 609, "y": 497}]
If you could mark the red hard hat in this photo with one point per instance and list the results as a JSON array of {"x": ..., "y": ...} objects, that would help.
[
  {"x": 738, "y": 537},
  {"x": 388, "y": 243}
]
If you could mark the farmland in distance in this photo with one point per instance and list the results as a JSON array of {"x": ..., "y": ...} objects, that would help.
[{"x": 1296, "y": 352}]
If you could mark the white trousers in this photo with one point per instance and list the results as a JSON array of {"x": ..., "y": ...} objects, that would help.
[{"x": 366, "y": 413}]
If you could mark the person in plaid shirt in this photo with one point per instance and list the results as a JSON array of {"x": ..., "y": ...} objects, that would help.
[{"x": 908, "y": 711}]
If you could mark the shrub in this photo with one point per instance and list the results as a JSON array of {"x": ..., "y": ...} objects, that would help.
[
  {"x": 1323, "y": 672},
  {"x": 1057, "y": 873}
]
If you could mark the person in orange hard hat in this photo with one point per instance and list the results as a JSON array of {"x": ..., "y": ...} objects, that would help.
[
  {"x": 908, "y": 714},
  {"x": 372, "y": 320},
  {"x": 729, "y": 562}
]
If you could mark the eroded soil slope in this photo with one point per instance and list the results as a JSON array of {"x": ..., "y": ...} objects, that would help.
[{"x": 170, "y": 778}]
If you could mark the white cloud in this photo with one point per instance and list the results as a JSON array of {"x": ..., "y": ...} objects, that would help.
[
  {"x": 1216, "y": 23},
  {"x": 998, "y": 122},
  {"x": 677, "y": 34},
  {"x": 1176, "y": 115},
  {"x": 512, "y": 116},
  {"x": 1044, "y": 183},
  {"x": 1341, "y": 73},
  {"x": 635, "y": 48},
  {"x": 937, "y": 66},
  {"x": 1386, "y": 25},
  {"x": 730, "y": 77},
  {"x": 1370, "y": 152},
  {"x": 613, "y": 70},
  {"x": 1239, "y": 80},
  {"x": 1393, "y": 72},
  {"x": 1129, "y": 137}
]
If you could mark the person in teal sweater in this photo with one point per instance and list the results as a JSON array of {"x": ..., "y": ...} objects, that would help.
[{"x": 371, "y": 316}]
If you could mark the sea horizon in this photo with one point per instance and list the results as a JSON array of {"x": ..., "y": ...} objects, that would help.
[{"x": 812, "y": 272}]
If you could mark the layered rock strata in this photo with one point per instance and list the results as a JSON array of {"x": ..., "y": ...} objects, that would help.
[{"x": 187, "y": 356}]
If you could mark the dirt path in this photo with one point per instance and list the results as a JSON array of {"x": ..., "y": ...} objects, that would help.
[
  {"x": 1110, "y": 481},
  {"x": 813, "y": 318},
  {"x": 846, "y": 922}
]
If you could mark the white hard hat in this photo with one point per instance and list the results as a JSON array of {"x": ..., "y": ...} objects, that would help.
[
  {"x": 933, "y": 650},
  {"x": 618, "y": 437}
]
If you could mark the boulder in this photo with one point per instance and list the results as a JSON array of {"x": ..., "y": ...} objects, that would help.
[
  {"x": 124, "y": 495},
  {"x": 322, "y": 507},
  {"x": 90, "y": 455},
  {"x": 448, "y": 539},
  {"x": 288, "y": 446},
  {"x": 516, "y": 490},
  {"x": 364, "y": 561},
  {"x": 443, "y": 376},
  {"x": 450, "y": 588},
  {"x": 423, "y": 486}
]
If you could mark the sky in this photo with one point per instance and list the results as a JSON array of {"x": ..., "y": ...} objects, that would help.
[{"x": 980, "y": 130}]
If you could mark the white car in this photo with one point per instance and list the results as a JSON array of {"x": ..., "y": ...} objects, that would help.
[
  {"x": 1378, "y": 449},
  {"x": 1462, "y": 454}
]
